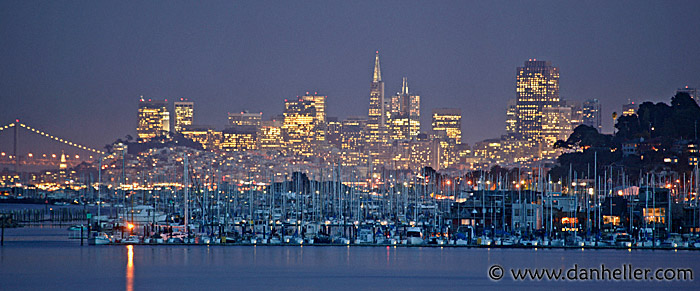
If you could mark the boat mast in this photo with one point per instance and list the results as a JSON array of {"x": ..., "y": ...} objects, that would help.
[{"x": 186, "y": 186}]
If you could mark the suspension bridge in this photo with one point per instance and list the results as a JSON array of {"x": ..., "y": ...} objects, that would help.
[{"x": 52, "y": 159}]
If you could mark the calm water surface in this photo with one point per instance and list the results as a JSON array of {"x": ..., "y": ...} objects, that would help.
[{"x": 41, "y": 258}]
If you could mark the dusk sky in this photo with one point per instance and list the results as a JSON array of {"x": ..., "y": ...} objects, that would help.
[{"x": 76, "y": 69}]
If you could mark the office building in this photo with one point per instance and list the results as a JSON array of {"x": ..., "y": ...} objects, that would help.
[
  {"x": 244, "y": 118},
  {"x": 537, "y": 87},
  {"x": 404, "y": 120},
  {"x": 447, "y": 122},
  {"x": 184, "y": 114},
  {"x": 153, "y": 119},
  {"x": 592, "y": 114}
]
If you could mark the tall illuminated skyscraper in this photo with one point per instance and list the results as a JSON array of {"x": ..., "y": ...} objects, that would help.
[
  {"x": 404, "y": 121},
  {"x": 301, "y": 126},
  {"x": 184, "y": 114},
  {"x": 537, "y": 87},
  {"x": 447, "y": 122},
  {"x": 377, "y": 131},
  {"x": 376, "y": 120},
  {"x": 153, "y": 119},
  {"x": 319, "y": 103},
  {"x": 511, "y": 120}
]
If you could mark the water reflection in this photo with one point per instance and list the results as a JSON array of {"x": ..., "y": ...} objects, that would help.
[{"x": 130, "y": 268}]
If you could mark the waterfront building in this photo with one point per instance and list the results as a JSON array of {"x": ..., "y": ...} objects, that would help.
[
  {"x": 184, "y": 114},
  {"x": 447, "y": 122},
  {"x": 404, "y": 117},
  {"x": 537, "y": 87},
  {"x": 592, "y": 114},
  {"x": 153, "y": 119}
]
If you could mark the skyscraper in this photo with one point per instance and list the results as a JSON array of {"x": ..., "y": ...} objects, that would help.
[
  {"x": 556, "y": 124},
  {"x": 319, "y": 103},
  {"x": 300, "y": 127},
  {"x": 537, "y": 87},
  {"x": 184, "y": 114},
  {"x": 447, "y": 122},
  {"x": 592, "y": 114},
  {"x": 376, "y": 121},
  {"x": 404, "y": 121},
  {"x": 512, "y": 120},
  {"x": 153, "y": 119},
  {"x": 377, "y": 144}
]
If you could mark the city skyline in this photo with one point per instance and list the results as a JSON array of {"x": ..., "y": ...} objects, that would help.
[{"x": 85, "y": 73}]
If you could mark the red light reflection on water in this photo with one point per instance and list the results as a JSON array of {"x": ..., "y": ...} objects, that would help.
[{"x": 130, "y": 268}]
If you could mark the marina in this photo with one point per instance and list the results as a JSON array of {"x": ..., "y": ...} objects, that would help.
[
  {"x": 32, "y": 259},
  {"x": 476, "y": 209}
]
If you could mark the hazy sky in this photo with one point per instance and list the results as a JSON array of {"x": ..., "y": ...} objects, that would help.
[{"x": 77, "y": 68}]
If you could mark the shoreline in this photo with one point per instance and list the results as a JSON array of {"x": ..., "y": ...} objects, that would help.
[{"x": 411, "y": 246}]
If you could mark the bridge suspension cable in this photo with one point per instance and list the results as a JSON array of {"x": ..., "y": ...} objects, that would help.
[{"x": 53, "y": 137}]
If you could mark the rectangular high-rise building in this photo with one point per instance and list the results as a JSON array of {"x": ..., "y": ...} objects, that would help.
[
  {"x": 318, "y": 102},
  {"x": 512, "y": 120},
  {"x": 404, "y": 121},
  {"x": 270, "y": 135},
  {"x": 244, "y": 118},
  {"x": 537, "y": 88},
  {"x": 153, "y": 119},
  {"x": 556, "y": 124},
  {"x": 184, "y": 114},
  {"x": 576, "y": 112},
  {"x": 592, "y": 114},
  {"x": 352, "y": 133},
  {"x": 333, "y": 130},
  {"x": 301, "y": 127},
  {"x": 447, "y": 122}
]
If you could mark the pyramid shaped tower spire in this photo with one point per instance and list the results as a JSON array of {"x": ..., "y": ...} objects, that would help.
[
  {"x": 377, "y": 70},
  {"x": 404, "y": 87}
]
